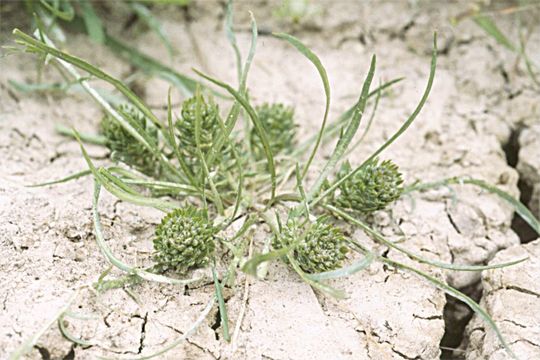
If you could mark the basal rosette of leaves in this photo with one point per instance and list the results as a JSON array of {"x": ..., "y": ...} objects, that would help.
[{"x": 184, "y": 240}]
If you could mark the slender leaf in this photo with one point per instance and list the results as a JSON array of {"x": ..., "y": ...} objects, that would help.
[
  {"x": 492, "y": 29},
  {"x": 250, "y": 267},
  {"x": 93, "y": 24},
  {"x": 348, "y": 135},
  {"x": 74, "y": 176},
  {"x": 310, "y": 55},
  {"x": 256, "y": 122},
  {"x": 222, "y": 306},
  {"x": 336, "y": 293},
  {"x": 66, "y": 14}
]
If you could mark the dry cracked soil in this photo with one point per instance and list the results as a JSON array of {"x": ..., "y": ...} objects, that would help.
[{"x": 481, "y": 120}]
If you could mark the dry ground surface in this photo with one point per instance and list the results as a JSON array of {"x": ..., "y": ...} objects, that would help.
[{"x": 481, "y": 104}]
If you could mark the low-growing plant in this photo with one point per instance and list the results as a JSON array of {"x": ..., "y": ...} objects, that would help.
[{"x": 206, "y": 175}]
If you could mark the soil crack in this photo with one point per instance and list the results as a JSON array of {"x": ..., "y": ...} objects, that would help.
[
  {"x": 143, "y": 333},
  {"x": 511, "y": 148}
]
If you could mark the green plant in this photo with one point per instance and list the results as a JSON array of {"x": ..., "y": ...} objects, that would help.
[
  {"x": 278, "y": 122},
  {"x": 184, "y": 240},
  {"x": 124, "y": 147},
  {"x": 374, "y": 188},
  {"x": 318, "y": 246},
  {"x": 244, "y": 191}
]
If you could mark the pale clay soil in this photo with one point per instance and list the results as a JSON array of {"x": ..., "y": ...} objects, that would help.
[{"x": 47, "y": 247}]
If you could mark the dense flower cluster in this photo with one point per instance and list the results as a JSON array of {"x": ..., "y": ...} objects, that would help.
[
  {"x": 370, "y": 189},
  {"x": 318, "y": 247},
  {"x": 278, "y": 122},
  {"x": 184, "y": 240},
  {"x": 209, "y": 126},
  {"x": 124, "y": 147}
]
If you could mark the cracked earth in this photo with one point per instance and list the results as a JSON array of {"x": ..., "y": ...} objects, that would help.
[{"x": 480, "y": 103}]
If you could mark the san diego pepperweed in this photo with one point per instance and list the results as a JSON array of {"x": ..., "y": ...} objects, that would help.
[{"x": 309, "y": 241}]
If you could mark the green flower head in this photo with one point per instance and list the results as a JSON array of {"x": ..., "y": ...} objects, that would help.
[
  {"x": 124, "y": 147},
  {"x": 278, "y": 122},
  {"x": 184, "y": 240},
  {"x": 318, "y": 247},
  {"x": 209, "y": 118},
  {"x": 370, "y": 189}
]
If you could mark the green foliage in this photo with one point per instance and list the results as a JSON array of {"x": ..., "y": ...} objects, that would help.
[
  {"x": 318, "y": 246},
  {"x": 124, "y": 147},
  {"x": 373, "y": 188},
  {"x": 184, "y": 240},
  {"x": 278, "y": 122}
]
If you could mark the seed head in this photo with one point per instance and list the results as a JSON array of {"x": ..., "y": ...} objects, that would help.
[
  {"x": 184, "y": 240},
  {"x": 209, "y": 114},
  {"x": 124, "y": 147},
  {"x": 372, "y": 188},
  {"x": 318, "y": 247},
  {"x": 278, "y": 122}
]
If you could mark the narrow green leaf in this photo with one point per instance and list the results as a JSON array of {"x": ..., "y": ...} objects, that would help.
[
  {"x": 492, "y": 29},
  {"x": 66, "y": 14},
  {"x": 150, "y": 65},
  {"x": 325, "y": 289},
  {"x": 120, "y": 193},
  {"x": 229, "y": 31},
  {"x": 256, "y": 122},
  {"x": 68, "y": 335},
  {"x": 334, "y": 127},
  {"x": 250, "y": 267},
  {"x": 93, "y": 24},
  {"x": 232, "y": 117},
  {"x": 222, "y": 306},
  {"x": 74, "y": 176},
  {"x": 347, "y": 135},
  {"x": 87, "y": 138},
  {"x": 368, "y": 126},
  {"x": 310, "y": 55}
]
